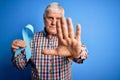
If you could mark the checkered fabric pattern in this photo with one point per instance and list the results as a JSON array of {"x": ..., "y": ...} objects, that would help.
[{"x": 47, "y": 67}]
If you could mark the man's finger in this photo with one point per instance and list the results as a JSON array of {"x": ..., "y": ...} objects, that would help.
[
  {"x": 19, "y": 43},
  {"x": 59, "y": 31},
  {"x": 60, "y": 51},
  {"x": 78, "y": 32},
  {"x": 50, "y": 52},
  {"x": 70, "y": 28},
  {"x": 13, "y": 50},
  {"x": 14, "y": 47},
  {"x": 64, "y": 28}
]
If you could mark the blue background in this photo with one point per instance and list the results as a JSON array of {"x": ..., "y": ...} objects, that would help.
[{"x": 100, "y": 33}]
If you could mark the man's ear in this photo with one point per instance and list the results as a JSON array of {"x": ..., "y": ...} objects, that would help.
[{"x": 44, "y": 19}]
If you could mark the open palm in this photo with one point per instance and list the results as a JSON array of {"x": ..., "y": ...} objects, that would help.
[{"x": 69, "y": 44}]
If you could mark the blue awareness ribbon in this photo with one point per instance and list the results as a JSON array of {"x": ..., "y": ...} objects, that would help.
[{"x": 28, "y": 34}]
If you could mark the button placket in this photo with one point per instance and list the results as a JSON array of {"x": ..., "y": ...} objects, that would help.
[
  {"x": 51, "y": 44},
  {"x": 51, "y": 63}
]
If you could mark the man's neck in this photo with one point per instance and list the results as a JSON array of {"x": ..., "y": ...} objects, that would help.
[{"x": 50, "y": 36}]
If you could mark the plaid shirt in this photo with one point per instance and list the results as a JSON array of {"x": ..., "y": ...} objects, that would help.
[{"x": 47, "y": 67}]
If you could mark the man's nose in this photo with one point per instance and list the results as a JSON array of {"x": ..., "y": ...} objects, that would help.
[{"x": 54, "y": 22}]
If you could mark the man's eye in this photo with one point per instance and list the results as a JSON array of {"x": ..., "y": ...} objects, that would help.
[{"x": 50, "y": 18}]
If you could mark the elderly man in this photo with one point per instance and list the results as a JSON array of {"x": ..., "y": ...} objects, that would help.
[{"x": 53, "y": 49}]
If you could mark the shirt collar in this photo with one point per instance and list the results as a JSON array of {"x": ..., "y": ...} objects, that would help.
[{"x": 45, "y": 33}]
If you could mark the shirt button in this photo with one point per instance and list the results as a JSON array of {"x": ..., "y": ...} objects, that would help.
[
  {"x": 50, "y": 43},
  {"x": 50, "y": 70},
  {"x": 50, "y": 60}
]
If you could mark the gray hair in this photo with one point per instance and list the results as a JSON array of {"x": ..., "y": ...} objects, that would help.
[{"x": 56, "y": 7}]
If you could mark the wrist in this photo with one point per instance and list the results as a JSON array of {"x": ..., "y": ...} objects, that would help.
[{"x": 78, "y": 56}]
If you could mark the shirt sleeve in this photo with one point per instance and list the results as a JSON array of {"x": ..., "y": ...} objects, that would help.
[
  {"x": 83, "y": 55},
  {"x": 20, "y": 60}
]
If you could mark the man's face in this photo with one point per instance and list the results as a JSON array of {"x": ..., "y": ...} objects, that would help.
[{"x": 50, "y": 20}]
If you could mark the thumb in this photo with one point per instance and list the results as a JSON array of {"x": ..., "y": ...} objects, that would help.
[{"x": 50, "y": 51}]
